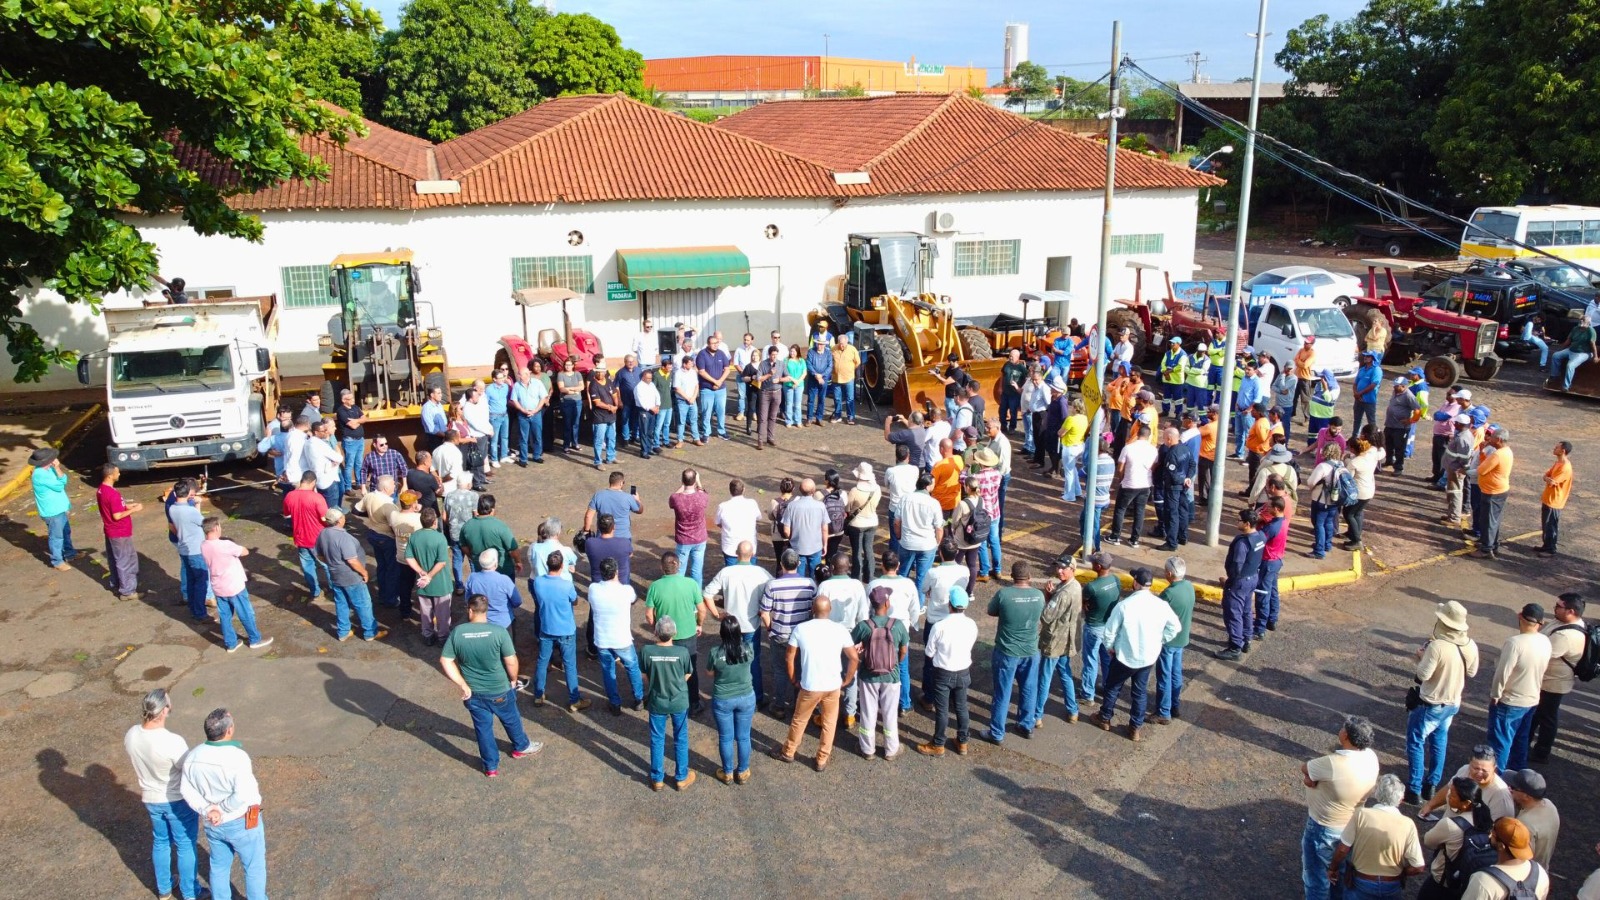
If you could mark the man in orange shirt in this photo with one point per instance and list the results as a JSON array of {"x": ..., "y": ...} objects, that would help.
[
  {"x": 1258, "y": 440},
  {"x": 1557, "y": 485},
  {"x": 1208, "y": 455},
  {"x": 1305, "y": 360},
  {"x": 947, "y": 477},
  {"x": 1494, "y": 483}
]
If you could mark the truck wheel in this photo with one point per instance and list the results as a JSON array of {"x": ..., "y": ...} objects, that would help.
[
  {"x": 1394, "y": 247},
  {"x": 1484, "y": 369},
  {"x": 885, "y": 366},
  {"x": 975, "y": 344},
  {"x": 330, "y": 396},
  {"x": 1442, "y": 371},
  {"x": 1127, "y": 318}
]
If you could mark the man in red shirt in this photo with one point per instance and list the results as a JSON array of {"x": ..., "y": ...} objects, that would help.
[
  {"x": 1274, "y": 526},
  {"x": 304, "y": 506},
  {"x": 689, "y": 505},
  {"x": 117, "y": 517}
]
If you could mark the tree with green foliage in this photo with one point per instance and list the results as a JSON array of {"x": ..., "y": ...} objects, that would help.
[
  {"x": 93, "y": 94},
  {"x": 579, "y": 54},
  {"x": 336, "y": 54},
  {"x": 1521, "y": 119},
  {"x": 454, "y": 66},
  {"x": 1029, "y": 83},
  {"x": 851, "y": 90},
  {"x": 1082, "y": 99}
]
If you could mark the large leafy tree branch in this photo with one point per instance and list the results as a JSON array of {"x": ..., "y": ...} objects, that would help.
[{"x": 93, "y": 96}]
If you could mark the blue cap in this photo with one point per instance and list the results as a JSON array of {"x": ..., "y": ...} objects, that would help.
[
  {"x": 958, "y": 597},
  {"x": 1417, "y": 371}
]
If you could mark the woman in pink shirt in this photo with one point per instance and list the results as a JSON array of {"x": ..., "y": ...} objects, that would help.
[{"x": 228, "y": 581}]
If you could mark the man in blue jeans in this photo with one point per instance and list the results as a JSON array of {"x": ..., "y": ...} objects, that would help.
[
  {"x": 350, "y": 423},
  {"x": 611, "y": 610},
  {"x": 1335, "y": 785},
  {"x": 604, "y": 403},
  {"x": 1514, "y": 692},
  {"x": 819, "y": 374},
  {"x": 554, "y": 597},
  {"x": 1136, "y": 632},
  {"x": 220, "y": 785},
  {"x": 480, "y": 659},
  {"x": 805, "y": 524},
  {"x": 1100, "y": 596},
  {"x": 667, "y": 667},
  {"x": 1016, "y": 651},
  {"x": 341, "y": 553},
  {"x": 187, "y": 520},
  {"x": 1169, "y": 668},
  {"x": 157, "y": 756},
  {"x": 715, "y": 369},
  {"x": 1444, "y": 664},
  {"x": 51, "y": 502},
  {"x": 1577, "y": 349},
  {"x": 529, "y": 399}
]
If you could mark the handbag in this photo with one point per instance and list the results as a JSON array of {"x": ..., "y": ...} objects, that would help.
[
  {"x": 1413, "y": 697},
  {"x": 581, "y": 540}
]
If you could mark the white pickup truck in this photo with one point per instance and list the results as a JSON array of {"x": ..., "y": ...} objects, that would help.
[{"x": 188, "y": 384}]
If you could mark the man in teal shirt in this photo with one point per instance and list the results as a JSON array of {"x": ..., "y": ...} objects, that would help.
[
  {"x": 479, "y": 658},
  {"x": 667, "y": 668},
  {"x": 678, "y": 597},
  {"x": 1016, "y": 651},
  {"x": 50, "y": 498},
  {"x": 1169, "y": 668},
  {"x": 1100, "y": 596}
]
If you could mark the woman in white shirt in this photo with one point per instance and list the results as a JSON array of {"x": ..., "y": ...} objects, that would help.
[
  {"x": 1362, "y": 461},
  {"x": 1324, "y": 514},
  {"x": 861, "y": 521}
]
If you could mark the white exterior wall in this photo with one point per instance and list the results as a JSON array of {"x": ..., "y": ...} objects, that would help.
[{"x": 464, "y": 257}]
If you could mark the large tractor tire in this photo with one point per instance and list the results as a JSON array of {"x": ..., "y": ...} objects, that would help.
[
  {"x": 975, "y": 344},
  {"x": 1442, "y": 371},
  {"x": 1117, "y": 319},
  {"x": 330, "y": 396},
  {"x": 884, "y": 367},
  {"x": 1484, "y": 369}
]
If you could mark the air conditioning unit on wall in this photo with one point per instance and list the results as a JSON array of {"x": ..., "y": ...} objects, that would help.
[{"x": 942, "y": 221}]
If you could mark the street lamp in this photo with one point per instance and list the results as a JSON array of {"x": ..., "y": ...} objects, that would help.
[{"x": 1201, "y": 165}]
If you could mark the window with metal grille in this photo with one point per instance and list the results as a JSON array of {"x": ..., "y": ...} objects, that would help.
[
  {"x": 1125, "y": 244},
  {"x": 978, "y": 258},
  {"x": 305, "y": 287},
  {"x": 575, "y": 273}
]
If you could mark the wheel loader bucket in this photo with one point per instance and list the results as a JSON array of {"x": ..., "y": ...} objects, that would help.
[
  {"x": 919, "y": 390},
  {"x": 1585, "y": 381}
]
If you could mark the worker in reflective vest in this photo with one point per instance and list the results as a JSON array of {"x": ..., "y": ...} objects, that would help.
[
  {"x": 1324, "y": 395},
  {"x": 1217, "y": 350},
  {"x": 1174, "y": 375},
  {"x": 1419, "y": 389},
  {"x": 1196, "y": 395}
]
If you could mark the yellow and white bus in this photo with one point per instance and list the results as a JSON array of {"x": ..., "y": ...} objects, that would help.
[{"x": 1569, "y": 232}]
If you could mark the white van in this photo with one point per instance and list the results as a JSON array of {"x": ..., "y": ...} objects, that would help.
[{"x": 1283, "y": 323}]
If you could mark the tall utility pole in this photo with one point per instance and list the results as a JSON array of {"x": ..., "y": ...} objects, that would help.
[
  {"x": 1097, "y": 349},
  {"x": 1194, "y": 60},
  {"x": 1246, "y": 173}
]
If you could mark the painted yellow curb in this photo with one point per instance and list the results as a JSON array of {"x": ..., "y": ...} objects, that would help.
[
  {"x": 73, "y": 432},
  {"x": 1387, "y": 570}
]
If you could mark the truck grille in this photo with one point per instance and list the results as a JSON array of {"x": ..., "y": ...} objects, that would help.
[{"x": 209, "y": 420}]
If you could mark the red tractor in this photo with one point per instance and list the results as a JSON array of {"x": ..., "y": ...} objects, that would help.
[
  {"x": 1404, "y": 327},
  {"x": 1151, "y": 323},
  {"x": 580, "y": 345}
]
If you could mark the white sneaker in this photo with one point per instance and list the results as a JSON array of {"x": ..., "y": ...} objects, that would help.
[
  {"x": 236, "y": 645},
  {"x": 264, "y": 642},
  {"x": 493, "y": 465}
]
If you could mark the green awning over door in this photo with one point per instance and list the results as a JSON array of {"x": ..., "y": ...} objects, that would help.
[{"x": 683, "y": 268}]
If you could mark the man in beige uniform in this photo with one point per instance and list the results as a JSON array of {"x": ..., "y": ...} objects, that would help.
[
  {"x": 1536, "y": 812},
  {"x": 1568, "y": 635},
  {"x": 1516, "y": 866},
  {"x": 1444, "y": 664},
  {"x": 1379, "y": 842},
  {"x": 1483, "y": 772},
  {"x": 1514, "y": 693},
  {"x": 1335, "y": 785}
]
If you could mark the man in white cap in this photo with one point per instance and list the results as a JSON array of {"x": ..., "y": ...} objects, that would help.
[
  {"x": 1398, "y": 418},
  {"x": 1457, "y": 400},
  {"x": 949, "y": 646},
  {"x": 1174, "y": 374},
  {"x": 1444, "y": 663},
  {"x": 1458, "y": 453}
]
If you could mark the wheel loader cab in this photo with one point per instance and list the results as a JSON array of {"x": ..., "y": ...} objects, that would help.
[
  {"x": 882, "y": 264},
  {"x": 376, "y": 344}
]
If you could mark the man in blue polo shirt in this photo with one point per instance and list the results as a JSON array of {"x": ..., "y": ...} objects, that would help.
[
  {"x": 627, "y": 379},
  {"x": 713, "y": 366}
]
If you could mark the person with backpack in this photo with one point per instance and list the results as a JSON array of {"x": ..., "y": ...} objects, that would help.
[
  {"x": 883, "y": 643},
  {"x": 1572, "y": 658},
  {"x": 1380, "y": 846},
  {"x": 1327, "y": 493},
  {"x": 1459, "y": 843},
  {"x": 969, "y": 527},
  {"x": 1515, "y": 876},
  {"x": 833, "y": 500},
  {"x": 1444, "y": 664}
]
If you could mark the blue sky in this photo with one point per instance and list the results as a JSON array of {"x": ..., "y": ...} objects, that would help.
[{"x": 1069, "y": 37}]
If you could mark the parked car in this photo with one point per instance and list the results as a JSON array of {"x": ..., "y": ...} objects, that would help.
[{"x": 1324, "y": 285}]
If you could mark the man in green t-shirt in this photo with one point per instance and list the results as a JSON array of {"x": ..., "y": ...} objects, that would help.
[
  {"x": 1578, "y": 349},
  {"x": 667, "y": 669},
  {"x": 678, "y": 597},
  {"x": 1016, "y": 651},
  {"x": 1100, "y": 596},
  {"x": 428, "y": 554},
  {"x": 1169, "y": 668},
  {"x": 483, "y": 532},
  {"x": 479, "y": 658},
  {"x": 880, "y": 691}
]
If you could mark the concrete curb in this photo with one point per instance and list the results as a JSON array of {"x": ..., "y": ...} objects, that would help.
[
  {"x": 68, "y": 438},
  {"x": 1405, "y": 567},
  {"x": 1212, "y": 593}
]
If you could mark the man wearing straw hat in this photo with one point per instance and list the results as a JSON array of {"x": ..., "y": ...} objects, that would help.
[{"x": 1444, "y": 663}]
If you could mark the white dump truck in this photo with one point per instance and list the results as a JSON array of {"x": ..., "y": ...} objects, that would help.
[{"x": 187, "y": 384}]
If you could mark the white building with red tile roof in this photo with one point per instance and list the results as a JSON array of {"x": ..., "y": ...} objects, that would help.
[{"x": 563, "y": 193}]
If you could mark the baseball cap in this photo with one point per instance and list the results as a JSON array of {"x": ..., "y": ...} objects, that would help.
[
  {"x": 1067, "y": 559},
  {"x": 1371, "y": 354},
  {"x": 1400, "y": 381},
  {"x": 1463, "y": 419},
  {"x": 958, "y": 596},
  {"x": 1175, "y": 340},
  {"x": 881, "y": 594},
  {"x": 1527, "y": 781},
  {"x": 1513, "y": 835},
  {"x": 1532, "y": 612},
  {"x": 1417, "y": 371},
  {"x": 1463, "y": 393},
  {"x": 1141, "y": 576},
  {"x": 1101, "y": 559}
]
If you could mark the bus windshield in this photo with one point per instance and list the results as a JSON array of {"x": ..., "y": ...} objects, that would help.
[
  {"x": 186, "y": 370},
  {"x": 1489, "y": 225},
  {"x": 1325, "y": 322}
]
